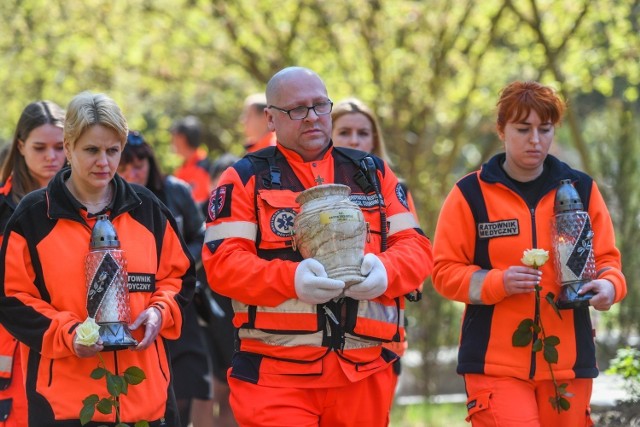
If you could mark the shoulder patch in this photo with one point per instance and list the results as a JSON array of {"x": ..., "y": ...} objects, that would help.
[
  {"x": 282, "y": 222},
  {"x": 402, "y": 196},
  {"x": 507, "y": 227},
  {"x": 364, "y": 200},
  {"x": 220, "y": 202}
]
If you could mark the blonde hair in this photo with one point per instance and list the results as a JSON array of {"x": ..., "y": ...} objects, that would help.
[
  {"x": 88, "y": 109},
  {"x": 353, "y": 106}
]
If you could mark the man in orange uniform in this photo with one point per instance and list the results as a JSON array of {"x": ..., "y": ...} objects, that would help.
[
  {"x": 185, "y": 138},
  {"x": 254, "y": 121},
  {"x": 309, "y": 351}
]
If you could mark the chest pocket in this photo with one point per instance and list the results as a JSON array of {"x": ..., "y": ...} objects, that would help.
[{"x": 276, "y": 213}]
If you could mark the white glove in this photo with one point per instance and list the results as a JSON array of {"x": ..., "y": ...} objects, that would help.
[
  {"x": 312, "y": 284},
  {"x": 375, "y": 283}
]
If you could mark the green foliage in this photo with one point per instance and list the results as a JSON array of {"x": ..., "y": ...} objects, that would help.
[
  {"x": 524, "y": 333},
  {"x": 627, "y": 365},
  {"x": 559, "y": 402},
  {"x": 431, "y": 71},
  {"x": 528, "y": 332},
  {"x": 117, "y": 385},
  {"x": 429, "y": 414}
]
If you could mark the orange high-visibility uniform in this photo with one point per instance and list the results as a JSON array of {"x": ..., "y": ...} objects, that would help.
[
  {"x": 284, "y": 342},
  {"x": 484, "y": 227},
  {"x": 353, "y": 404},
  {"x": 268, "y": 140},
  {"x": 13, "y": 399},
  {"x": 195, "y": 172},
  {"x": 43, "y": 299}
]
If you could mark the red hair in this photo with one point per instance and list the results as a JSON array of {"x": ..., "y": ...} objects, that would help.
[{"x": 518, "y": 99}]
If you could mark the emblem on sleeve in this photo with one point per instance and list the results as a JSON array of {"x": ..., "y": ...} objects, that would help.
[
  {"x": 282, "y": 222},
  {"x": 220, "y": 203},
  {"x": 402, "y": 196}
]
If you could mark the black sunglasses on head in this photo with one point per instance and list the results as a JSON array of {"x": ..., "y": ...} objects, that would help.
[{"x": 135, "y": 138}]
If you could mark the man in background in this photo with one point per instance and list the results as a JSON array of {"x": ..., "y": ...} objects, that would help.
[
  {"x": 185, "y": 138},
  {"x": 254, "y": 121}
]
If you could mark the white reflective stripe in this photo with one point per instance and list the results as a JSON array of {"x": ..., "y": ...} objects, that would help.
[
  {"x": 400, "y": 222},
  {"x": 283, "y": 340},
  {"x": 366, "y": 309},
  {"x": 294, "y": 306},
  {"x": 5, "y": 363},
  {"x": 352, "y": 342},
  {"x": 243, "y": 229},
  {"x": 475, "y": 287},
  {"x": 376, "y": 311},
  {"x": 239, "y": 307}
]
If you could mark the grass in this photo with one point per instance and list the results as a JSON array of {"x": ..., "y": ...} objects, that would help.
[{"x": 429, "y": 415}]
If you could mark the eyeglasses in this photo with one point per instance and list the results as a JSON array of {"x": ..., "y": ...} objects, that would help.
[
  {"x": 135, "y": 138},
  {"x": 301, "y": 112}
]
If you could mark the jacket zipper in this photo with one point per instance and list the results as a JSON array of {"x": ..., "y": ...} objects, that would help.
[
  {"x": 335, "y": 326},
  {"x": 536, "y": 314}
]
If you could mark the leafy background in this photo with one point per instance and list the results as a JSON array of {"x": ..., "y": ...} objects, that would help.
[{"x": 431, "y": 70}]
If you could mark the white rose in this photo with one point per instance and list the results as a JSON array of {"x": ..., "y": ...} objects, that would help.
[
  {"x": 535, "y": 257},
  {"x": 88, "y": 332}
]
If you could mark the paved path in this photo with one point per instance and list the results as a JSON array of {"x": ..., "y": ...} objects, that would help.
[{"x": 607, "y": 389}]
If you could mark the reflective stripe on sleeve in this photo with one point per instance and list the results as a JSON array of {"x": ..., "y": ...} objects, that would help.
[
  {"x": 6, "y": 363},
  {"x": 401, "y": 222},
  {"x": 475, "y": 287},
  {"x": 242, "y": 229}
]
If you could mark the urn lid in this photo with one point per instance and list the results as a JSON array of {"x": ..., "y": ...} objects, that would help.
[
  {"x": 103, "y": 235},
  {"x": 323, "y": 190},
  {"x": 567, "y": 198}
]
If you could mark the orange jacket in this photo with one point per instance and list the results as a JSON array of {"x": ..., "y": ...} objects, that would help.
[
  {"x": 11, "y": 383},
  {"x": 469, "y": 268},
  {"x": 43, "y": 298},
  {"x": 267, "y": 140},
  {"x": 266, "y": 307},
  {"x": 195, "y": 172}
]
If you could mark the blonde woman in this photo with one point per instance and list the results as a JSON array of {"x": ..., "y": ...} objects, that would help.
[{"x": 43, "y": 299}]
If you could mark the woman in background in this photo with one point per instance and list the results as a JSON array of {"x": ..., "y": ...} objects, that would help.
[
  {"x": 189, "y": 357},
  {"x": 356, "y": 126},
  {"x": 32, "y": 159}
]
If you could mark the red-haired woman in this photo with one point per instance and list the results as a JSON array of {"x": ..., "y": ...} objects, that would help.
[{"x": 488, "y": 220}]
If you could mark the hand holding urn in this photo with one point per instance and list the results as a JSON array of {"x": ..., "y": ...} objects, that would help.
[{"x": 331, "y": 229}]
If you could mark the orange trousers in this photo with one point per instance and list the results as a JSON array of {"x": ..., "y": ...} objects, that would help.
[
  {"x": 507, "y": 402},
  {"x": 364, "y": 403},
  {"x": 16, "y": 392}
]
